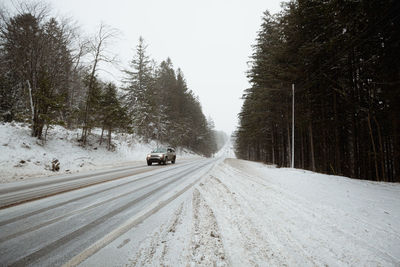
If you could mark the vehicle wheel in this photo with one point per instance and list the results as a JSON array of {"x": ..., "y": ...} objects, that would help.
[
  {"x": 149, "y": 163},
  {"x": 173, "y": 161}
]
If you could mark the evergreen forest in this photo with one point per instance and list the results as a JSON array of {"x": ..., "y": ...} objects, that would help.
[
  {"x": 49, "y": 74},
  {"x": 343, "y": 58}
]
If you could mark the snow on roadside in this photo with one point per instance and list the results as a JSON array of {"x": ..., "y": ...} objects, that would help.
[
  {"x": 274, "y": 217},
  {"x": 23, "y": 156},
  {"x": 182, "y": 233},
  {"x": 244, "y": 213}
]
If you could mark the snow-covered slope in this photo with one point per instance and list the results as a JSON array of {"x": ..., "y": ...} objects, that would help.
[
  {"x": 300, "y": 218},
  {"x": 23, "y": 157}
]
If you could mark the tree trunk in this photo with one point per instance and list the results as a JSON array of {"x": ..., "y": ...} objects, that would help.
[
  {"x": 45, "y": 133},
  {"x": 32, "y": 107},
  {"x": 109, "y": 139},
  {"x": 96, "y": 60},
  {"x": 101, "y": 136},
  {"x": 389, "y": 158},
  {"x": 289, "y": 158},
  {"x": 382, "y": 153},
  {"x": 396, "y": 148},
  {"x": 312, "y": 156},
  {"x": 273, "y": 145},
  {"x": 302, "y": 147},
  {"x": 337, "y": 141},
  {"x": 373, "y": 147},
  {"x": 356, "y": 149}
]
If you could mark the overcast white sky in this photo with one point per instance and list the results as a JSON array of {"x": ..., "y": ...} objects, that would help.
[{"x": 210, "y": 40}]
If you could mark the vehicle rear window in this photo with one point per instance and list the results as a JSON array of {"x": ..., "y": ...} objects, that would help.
[{"x": 159, "y": 150}]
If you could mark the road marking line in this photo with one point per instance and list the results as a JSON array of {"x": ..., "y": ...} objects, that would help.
[{"x": 135, "y": 220}]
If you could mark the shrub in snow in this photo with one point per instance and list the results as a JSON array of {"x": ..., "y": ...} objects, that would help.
[{"x": 55, "y": 165}]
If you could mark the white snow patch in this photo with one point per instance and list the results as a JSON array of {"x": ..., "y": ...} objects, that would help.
[
  {"x": 23, "y": 156},
  {"x": 275, "y": 217}
]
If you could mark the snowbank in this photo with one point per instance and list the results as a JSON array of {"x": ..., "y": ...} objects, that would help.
[
  {"x": 23, "y": 157},
  {"x": 279, "y": 216}
]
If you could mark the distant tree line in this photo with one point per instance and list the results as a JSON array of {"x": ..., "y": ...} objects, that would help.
[
  {"x": 343, "y": 57},
  {"x": 49, "y": 75},
  {"x": 163, "y": 108}
]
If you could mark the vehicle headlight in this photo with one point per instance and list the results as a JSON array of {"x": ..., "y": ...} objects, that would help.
[
  {"x": 148, "y": 155},
  {"x": 161, "y": 155}
]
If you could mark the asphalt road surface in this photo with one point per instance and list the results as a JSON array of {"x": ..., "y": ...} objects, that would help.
[{"x": 63, "y": 220}]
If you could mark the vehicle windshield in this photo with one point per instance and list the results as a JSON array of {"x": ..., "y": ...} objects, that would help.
[{"x": 159, "y": 150}]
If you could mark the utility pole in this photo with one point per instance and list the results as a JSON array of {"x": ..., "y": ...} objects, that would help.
[{"x": 292, "y": 125}]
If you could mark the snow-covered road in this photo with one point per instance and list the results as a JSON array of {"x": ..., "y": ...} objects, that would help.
[
  {"x": 216, "y": 212},
  {"x": 249, "y": 214},
  {"x": 53, "y": 230}
]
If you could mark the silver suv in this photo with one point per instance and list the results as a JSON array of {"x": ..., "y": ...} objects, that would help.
[{"x": 161, "y": 156}]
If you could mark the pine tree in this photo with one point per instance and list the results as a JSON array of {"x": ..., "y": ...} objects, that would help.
[
  {"x": 139, "y": 93},
  {"x": 113, "y": 114},
  {"x": 340, "y": 56},
  {"x": 38, "y": 60},
  {"x": 165, "y": 86}
]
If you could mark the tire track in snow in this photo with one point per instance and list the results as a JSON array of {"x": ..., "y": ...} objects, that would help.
[
  {"x": 74, "y": 235},
  {"x": 281, "y": 239},
  {"x": 293, "y": 210},
  {"x": 78, "y": 211},
  {"x": 54, "y": 206},
  {"x": 237, "y": 220},
  {"x": 292, "y": 206},
  {"x": 139, "y": 218},
  {"x": 261, "y": 181},
  {"x": 83, "y": 209},
  {"x": 207, "y": 248},
  {"x": 288, "y": 212},
  {"x": 155, "y": 247}
]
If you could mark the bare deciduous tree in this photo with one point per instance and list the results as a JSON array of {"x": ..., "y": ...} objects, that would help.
[{"x": 99, "y": 53}]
